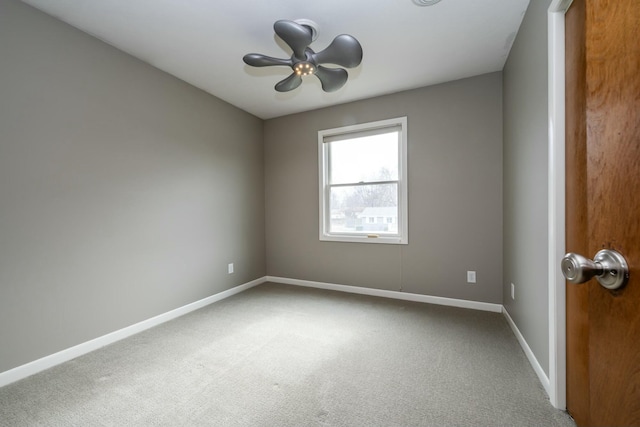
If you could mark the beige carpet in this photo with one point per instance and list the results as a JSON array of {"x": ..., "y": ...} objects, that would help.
[{"x": 279, "y": 355}]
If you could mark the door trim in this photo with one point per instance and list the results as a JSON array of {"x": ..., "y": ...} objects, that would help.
[{"x": 556, "y": 194}]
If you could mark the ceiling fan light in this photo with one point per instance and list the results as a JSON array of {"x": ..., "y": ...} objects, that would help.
[{"x": 304, "y": 69}]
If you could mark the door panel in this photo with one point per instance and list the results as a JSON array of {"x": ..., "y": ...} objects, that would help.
[{"x": 603, "y": 207}]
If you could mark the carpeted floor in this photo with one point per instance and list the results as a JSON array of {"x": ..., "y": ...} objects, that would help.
[{"x": 278, "y": 355}]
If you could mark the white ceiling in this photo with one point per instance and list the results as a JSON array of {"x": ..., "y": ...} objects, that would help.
[{"x": 203, "y": 41}]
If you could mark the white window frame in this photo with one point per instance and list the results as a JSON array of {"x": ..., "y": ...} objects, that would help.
[{"x": 323, "y": 168}]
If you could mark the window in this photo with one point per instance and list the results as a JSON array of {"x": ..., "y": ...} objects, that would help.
[{"x": 363, "y": 181}]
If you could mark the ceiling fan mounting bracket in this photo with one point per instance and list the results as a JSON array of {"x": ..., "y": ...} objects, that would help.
[{"x": 309, "y": 24}]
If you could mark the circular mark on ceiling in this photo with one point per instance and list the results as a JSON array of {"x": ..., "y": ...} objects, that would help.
[{"x": 426, "y": 2}]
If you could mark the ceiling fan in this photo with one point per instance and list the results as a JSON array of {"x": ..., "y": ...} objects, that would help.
[{"x": 344, "y": 50}]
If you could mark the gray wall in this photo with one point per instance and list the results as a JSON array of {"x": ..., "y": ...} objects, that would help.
[
  {"x": 525, "y": 181},
  {"x": 124, "y": 192},
  {"x": 455, "y": 194}
]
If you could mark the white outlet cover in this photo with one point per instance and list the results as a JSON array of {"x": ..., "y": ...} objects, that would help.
[
  {"x": 471, "y": 277},
  {"x": 230, "y": 268},
  {"x": 513, "y": 291}
]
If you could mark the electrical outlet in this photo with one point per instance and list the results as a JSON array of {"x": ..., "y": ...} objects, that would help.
[
  {"x": 230, "y": 268},
  {"x": 471, "y": 277},
  {"x": 513, "y": 291}
]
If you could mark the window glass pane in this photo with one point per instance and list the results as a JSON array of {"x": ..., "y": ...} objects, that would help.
[
  {"x": 364, "y": 159},
  {"x": 360, "y": 209}
]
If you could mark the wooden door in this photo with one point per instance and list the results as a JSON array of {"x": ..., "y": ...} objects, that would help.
[{"x": 603, "y": 207}]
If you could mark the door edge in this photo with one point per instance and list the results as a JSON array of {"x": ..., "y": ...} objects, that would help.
[{"x": 556, "y": 202}]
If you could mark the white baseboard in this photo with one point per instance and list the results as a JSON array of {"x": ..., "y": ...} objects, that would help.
[
  {"x": 527, "y": 351},
  {"x": 52, "y": 360},
  {"x": 475, "y": 305}
]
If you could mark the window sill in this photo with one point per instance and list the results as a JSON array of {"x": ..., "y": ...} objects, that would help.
[{"x": 395, "y": 240}]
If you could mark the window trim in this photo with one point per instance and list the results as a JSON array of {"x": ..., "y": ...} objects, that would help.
[{"x": 336, "y": 134}]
